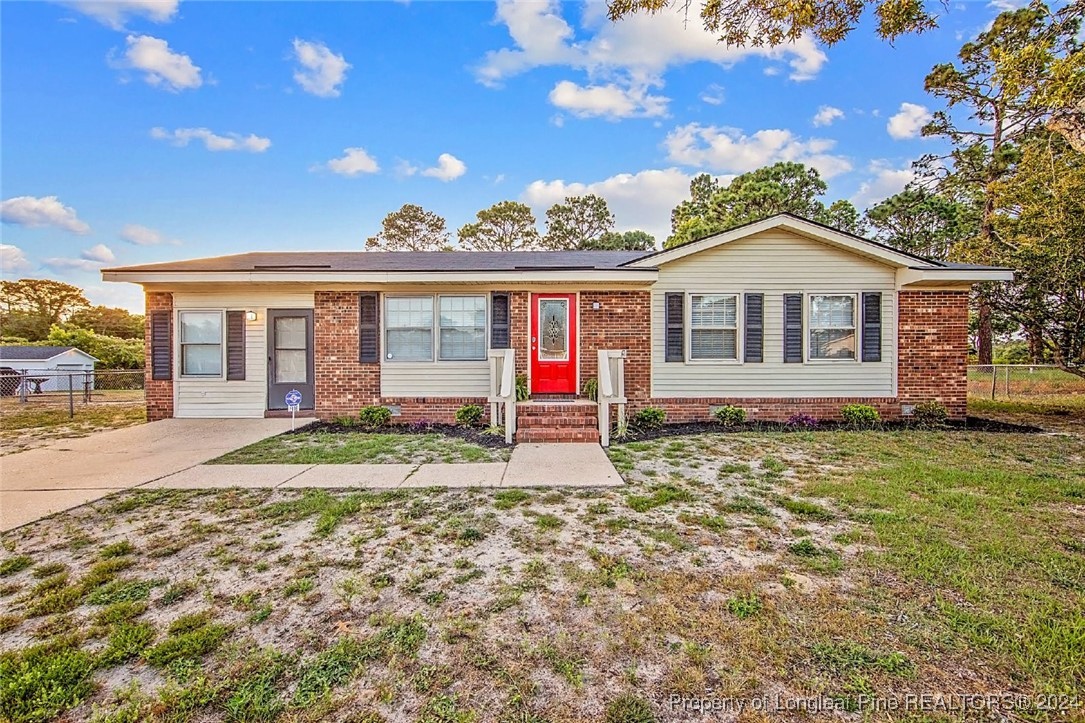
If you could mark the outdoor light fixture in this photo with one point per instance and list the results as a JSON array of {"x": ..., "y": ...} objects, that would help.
[
  {"x": 596, "y": 305},
  {"x": 250, "y": 315}
]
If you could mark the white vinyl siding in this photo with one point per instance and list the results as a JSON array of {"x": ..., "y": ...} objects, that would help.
[
  {"x": 216, "y": 397},
  {"x": 774, "y": 263}
]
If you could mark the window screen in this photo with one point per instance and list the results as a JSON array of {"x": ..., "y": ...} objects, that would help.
[
  {"x": 713, "y": 322},
  {"x": 832, "y": 327},
  {"x": 463, "y": 328},
  {"x": 408, "y": 323}
]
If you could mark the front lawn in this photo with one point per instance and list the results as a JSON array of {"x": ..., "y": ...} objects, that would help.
[
  {"x": 826, "y": 566},
  {"x": 350, "y": 447}
]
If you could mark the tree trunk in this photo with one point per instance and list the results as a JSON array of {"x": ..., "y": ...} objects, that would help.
[
  {"x": 1035, "y": 344},
  {"x": 985, "y": 334}
]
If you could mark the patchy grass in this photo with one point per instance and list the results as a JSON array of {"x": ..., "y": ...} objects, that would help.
[
  {"x": 829, "y": 564},
  {"x": 362, "y": 448},
  {"x": 41, "y": 421}
]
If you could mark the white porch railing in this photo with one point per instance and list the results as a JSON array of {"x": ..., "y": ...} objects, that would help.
[
  {"x": 611, "y": 390},
  {"x": 502, "y": 397}
]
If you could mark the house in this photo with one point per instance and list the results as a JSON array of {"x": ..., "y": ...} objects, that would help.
[
  {"x": 47, "y": 368},
  {"x": 780, "y": 316}
]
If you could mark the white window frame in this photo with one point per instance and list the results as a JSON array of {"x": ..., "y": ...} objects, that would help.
[
  {"x": 739, "y": 319},
  {"x": 181, "y": 344},
  {"x": 485, "y": 325},
  {"x": 808, "y": 328},
  {"x": 435, "y": 329}
]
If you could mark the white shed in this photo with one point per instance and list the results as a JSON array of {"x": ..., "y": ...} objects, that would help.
[{"x": 48, "y": 367}]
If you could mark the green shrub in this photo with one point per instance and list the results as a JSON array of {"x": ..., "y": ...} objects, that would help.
[
  {"x": 648, "y": 418},
  {"x": 522, "y": 391},
  {"x": 346, "y": 421},
  {"x": 930, "y": 414},
  {"x": 861, "y": 416},
  {"x": 591, "y": 389},
  {"x": 730, "y": 416},
  {"x": 374, "y": 417},
  {"x": 469, "y": 415}
]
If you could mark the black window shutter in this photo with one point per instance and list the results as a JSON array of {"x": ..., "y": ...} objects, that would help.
[
  {"x": 368, "y": 328},
  {"x": 499, "y": 320},
  {"x": 754, "y": 347},
  {"x": 793, "y": 328},
  {"x": 161, "y": 351},
  {"x": 872, "y": 327},
  {"x": 674, "y": 333},
  {"x": 235, "y": 345}
]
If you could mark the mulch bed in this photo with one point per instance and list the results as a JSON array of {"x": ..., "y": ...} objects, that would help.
[
  {"x": 971, "y": 424},
  {"x": 479, "y": 436},
  {"x": 475, "y": 435}
]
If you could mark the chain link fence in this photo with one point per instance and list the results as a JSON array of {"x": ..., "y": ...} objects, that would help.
[
  {"x": 25, "y": 388},
  {"x": 1007, "y": 381}
]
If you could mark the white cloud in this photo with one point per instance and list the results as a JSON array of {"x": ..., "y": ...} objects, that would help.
[
  {"x": 321, "y": 71},
  {"x": 38, "y": 212},
  {"x": 90, "y": 259},
  {"x": 713, "y": 94},
  {"x": 826, "y": 115},
  {"x": 99, "y": 253},
  {"x": 448, "y": 168},
  {"x": 13, "y": 260},
  {"x": 115, "y": 13},
  {"x": 908, "y": 121},
  {"x": 139, "y": 235},
  {"x": 729, "y": 150},
  {"x": 213, "y": 141},
  {"x": 639, "y": 200},
  {"x": 611, "y": 101},
  {"x": 353, "y": 162},
  {"x": 161, "y": 66},
  {"x": 884, "y": 182},
  {"x": 632, "y": 54},
  {"x": 404, "y": 169}
]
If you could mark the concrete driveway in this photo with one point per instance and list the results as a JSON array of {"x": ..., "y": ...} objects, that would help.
[{"x": 72, "y": 472}]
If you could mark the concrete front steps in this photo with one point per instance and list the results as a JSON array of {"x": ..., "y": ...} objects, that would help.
[{"x": 557, "y": 421}]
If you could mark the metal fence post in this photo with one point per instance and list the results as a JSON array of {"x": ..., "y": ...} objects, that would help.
[
  {"x": 994, "y": 380},
  {"x": 71, "y": 397},
  {"x": 1007, "y": 382},
  {"x": 22, "y": 386}
]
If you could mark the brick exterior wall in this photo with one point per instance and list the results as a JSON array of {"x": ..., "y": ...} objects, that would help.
[
  {"x": 932, "y": 354},
  {"x": 343, "y": 384},
  {"x": 519, "y": 328},
  {"x": 622, "y": 321},
  {"x": 158, "y": 393},
  {"x": 932, "y": 339}
]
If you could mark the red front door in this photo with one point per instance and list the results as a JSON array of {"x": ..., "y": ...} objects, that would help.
[{"x": 553, "y": 343}]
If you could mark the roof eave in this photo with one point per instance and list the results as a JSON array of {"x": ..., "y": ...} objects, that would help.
[{"x": 382, "y": 277}]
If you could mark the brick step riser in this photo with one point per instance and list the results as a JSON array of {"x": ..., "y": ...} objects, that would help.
[
  {"x": 542, "y": 422},
  {"x": 591, "y": 412},
  {"x": 549, "y": 435}
]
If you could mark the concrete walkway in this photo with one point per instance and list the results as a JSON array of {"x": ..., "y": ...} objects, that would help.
[
  {"x": 72, "y": 472},
  {"x": 531, "y": 465}
]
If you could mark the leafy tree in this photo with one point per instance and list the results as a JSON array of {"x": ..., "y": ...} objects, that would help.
[
  {"x": 411, "y": 228},
  {"x": 30, "y": 306},
  {"x": 505, "y": 226},
  {"x": 111, "y": 352},
  {"x": 1039, "y": 225},
  {"x": 999, "y": 113},
  {"x": 767, "y": 22},
  {"x": 621, "y": 241},
  {"x": 780, "y": 188},
  {"x": 109, "y": 321},
  {"x": 580, "y": 220},
  {"x": 921, "y": 222}
]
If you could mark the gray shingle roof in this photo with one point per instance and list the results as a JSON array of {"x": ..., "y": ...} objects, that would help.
[
  {"x": 404, "y": 261},
  {"x": 32, "y": 353}
]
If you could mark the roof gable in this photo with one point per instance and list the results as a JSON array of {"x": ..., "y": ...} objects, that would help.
[{"x": 799, "y": 226}]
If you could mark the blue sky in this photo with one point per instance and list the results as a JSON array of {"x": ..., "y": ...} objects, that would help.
[{"x": 141, "y": 131}]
